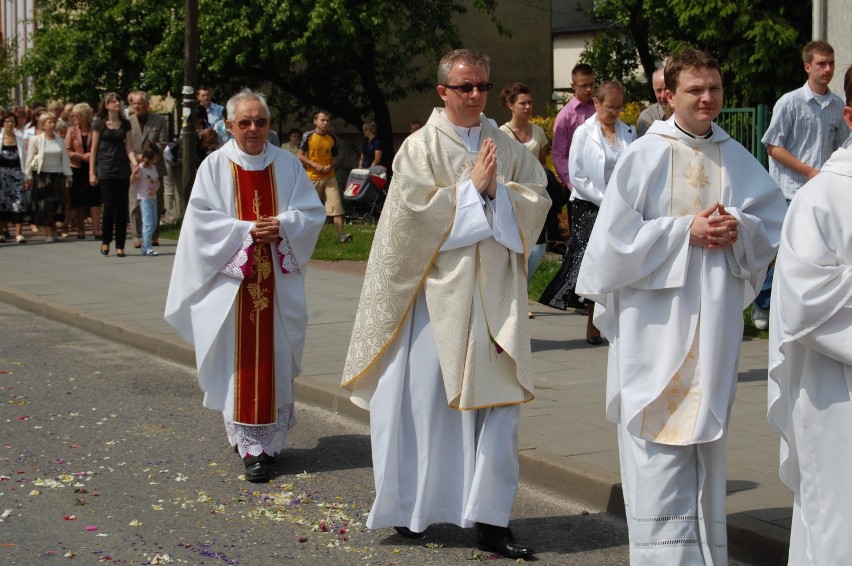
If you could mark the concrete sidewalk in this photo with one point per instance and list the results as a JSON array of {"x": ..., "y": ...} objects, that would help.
[{"x": 567, "y": 446}]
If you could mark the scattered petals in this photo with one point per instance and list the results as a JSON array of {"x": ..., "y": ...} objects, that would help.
[
  {"x": 91, "y": 528},
  {"x": 69, "y": 517},
  {"x": 135, "y": 523}
]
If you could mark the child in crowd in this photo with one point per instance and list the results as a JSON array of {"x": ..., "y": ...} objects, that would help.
[{"x": 144, "y": 178}]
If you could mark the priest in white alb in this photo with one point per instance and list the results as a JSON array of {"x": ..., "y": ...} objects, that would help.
[
  {"x": 237, "y": 291},
  {"x": 440, "y": 350},
  {"x": 810, "y": 359},
  {"x": 688, "y": 226}
]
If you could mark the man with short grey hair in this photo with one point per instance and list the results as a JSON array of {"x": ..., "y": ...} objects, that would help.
[
  {"x": 237, "y": 291},
  {"x": 145, "y": 127},
  {"x": 656, "y": 111},
  {"x": 440, "y": 350}
]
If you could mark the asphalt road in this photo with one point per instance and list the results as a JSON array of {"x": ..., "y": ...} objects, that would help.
[{"x": 107, "y": 456}]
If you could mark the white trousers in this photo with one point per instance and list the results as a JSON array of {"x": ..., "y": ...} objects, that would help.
[
  {"x": 434, "y": 464},
  {"x": 674, "y": 498}
]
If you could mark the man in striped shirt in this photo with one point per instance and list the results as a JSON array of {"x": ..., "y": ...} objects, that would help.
[{"x": 807, "y": 127}]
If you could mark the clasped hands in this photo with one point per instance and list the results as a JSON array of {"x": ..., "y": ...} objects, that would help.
[
  {"x": 266, "y": 230},
  {"x": 713, "y": 231},
  {"x": 484, "y": 172}
]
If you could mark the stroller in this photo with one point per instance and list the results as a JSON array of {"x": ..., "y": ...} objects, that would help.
[{"x": 365, "y": 189}]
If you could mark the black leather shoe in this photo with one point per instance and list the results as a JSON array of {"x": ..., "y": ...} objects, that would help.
[
  {"x": 594, "y": 340},
  {"x": 257, "y": 468},
  {"x": 500, "y": 540},
  {"x": 407, "y": 533}
]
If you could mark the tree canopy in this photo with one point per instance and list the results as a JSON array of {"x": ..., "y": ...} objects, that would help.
[
  {"x": 757, "y": 42},
  {"x": 347, "y": 56}
]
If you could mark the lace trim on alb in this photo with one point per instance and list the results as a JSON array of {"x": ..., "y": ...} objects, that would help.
[
  {"x": 239, "y": 266},
  {"x": 252, "y": 440},
  {"x": 286, "y": 258}
]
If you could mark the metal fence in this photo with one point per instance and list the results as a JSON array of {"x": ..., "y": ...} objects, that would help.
[{"x": 747, "y": 125}]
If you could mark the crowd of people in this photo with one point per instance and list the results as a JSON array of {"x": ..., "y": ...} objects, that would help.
[{"x": 674, "y": 227}]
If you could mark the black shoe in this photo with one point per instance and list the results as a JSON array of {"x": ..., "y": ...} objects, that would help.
[
  {"x": 257, "y": 468},
  {"x": 407, "y": 533},
  {"x": 501, "y": 541},
  {"x": 594, "y": 340}
]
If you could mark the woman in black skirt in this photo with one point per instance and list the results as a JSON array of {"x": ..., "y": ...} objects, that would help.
[{"x": 597, "y": 145}]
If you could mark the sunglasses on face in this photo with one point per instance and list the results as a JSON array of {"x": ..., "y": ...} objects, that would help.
[
  {"x": 468, "y": 88},
  {"x": 245, "y": 124}
]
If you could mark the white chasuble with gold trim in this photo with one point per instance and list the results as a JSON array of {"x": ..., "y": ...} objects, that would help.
[
  {"x": 672, "y": 311},
  {"x": 416, "y": 221}
]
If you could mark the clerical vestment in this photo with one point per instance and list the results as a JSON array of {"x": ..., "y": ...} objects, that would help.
[
  {"x": 416, "y": 219},
  {"x": 672, "y": 312},
  {"x": 810, "y": 362},
  {"x": 242, "y": 306}
]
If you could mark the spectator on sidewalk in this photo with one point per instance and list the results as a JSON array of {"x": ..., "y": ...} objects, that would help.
[
  {"x": 14, "y": 202},
  {"x": 294, "y": 136},
  {"x": 318, "y": 153},
  {"x": 598, "y": 144},
  {"x": 806, "y": 127},
  {"x": 48, "y": 175},
  {"x": 580, "y": 108},
  {"x": 110, "y": 166},
  {"x": 371, "y": 148},
  {"x": 446, "y": 273},
  {"x": 85, "y": 199},
  {"x": 146, "y": 126},
  {"x": 215, "y": 112},
  {"x": 810, "y": 359},
  {"x": 237, "y": 291},
  {"x": 687, "y": 227},
  {"x": 145, "y": 181},
  {"x": 518, "y": 99},
  {"x": 656, "y": 111}
]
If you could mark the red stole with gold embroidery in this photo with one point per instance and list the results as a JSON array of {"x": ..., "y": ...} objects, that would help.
[{"x": 254, "y": 372}]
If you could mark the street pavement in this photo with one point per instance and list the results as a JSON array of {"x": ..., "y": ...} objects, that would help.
[{"x": 566, "y": 445}]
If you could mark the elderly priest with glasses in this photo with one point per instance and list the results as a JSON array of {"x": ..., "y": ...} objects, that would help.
[
  {"x": 237, "y": 291},
  {"x": 440, "y": 350}
]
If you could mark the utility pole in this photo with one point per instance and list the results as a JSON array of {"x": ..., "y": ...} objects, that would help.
[{"x": 190, "y": 63}]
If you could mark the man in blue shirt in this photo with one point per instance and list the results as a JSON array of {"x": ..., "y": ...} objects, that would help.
[{"x": 807, "y": 127}]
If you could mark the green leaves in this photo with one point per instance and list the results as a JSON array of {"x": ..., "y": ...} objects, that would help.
[{"x": 757, "y": 42}]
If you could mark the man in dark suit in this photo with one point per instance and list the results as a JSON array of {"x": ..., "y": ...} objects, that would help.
[{"x": 145, "y": 127}]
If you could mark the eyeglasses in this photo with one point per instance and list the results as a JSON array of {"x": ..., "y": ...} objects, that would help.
[
  {"x": 468, "y": 88},
  {"x": 584, "y": 86},
  {"x": 245, "y": 124}
]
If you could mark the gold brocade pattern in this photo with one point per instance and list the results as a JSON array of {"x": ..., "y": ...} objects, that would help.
[
  {"x": 696, "y": 178},
  {"x": 405, "y": 257},
  {"x": 696, "y": 184},
  {"x": 262, "y": 270},
  {"x": 671, "y": 417}
]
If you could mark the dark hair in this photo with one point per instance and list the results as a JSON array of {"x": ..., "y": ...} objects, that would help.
[
  {"x": 688, "y": 59},
  {"x": 511, "y": 91},
  {"x": 294, "y": 131},
  {"x": 323, "y": 111},
  {"x": 201, "y": 114},
  {"x": 582, "y": 69},
  {"x": 150, "y": 151},
  {"x": 103, "y": 113},
  {"x": 6, "y": 115},
  {"x": 847, "y": 86},
  {"x": 813, "y": 47}
]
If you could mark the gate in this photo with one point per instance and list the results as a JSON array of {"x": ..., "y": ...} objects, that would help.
[{"x": 747, "y": 125}]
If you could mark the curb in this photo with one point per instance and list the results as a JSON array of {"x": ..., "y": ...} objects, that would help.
[{"x": 748, "y": 538}]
